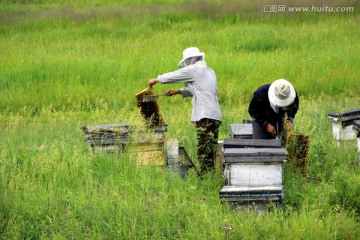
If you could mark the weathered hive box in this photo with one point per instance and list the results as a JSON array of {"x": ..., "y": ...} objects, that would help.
[
  {"x": 144, "y": 145},
  {"x": 342, "y": 124},
  {"x": 241, "y": 131},
  {"x": 106, "y": 137},
  {"x": 146, "y": 153},
  {"x": 254, "y": 170},
  {"x": 356, "y": 126}
]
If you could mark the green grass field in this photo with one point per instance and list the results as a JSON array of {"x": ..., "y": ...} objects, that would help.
[{"x": 64, "y": 65}]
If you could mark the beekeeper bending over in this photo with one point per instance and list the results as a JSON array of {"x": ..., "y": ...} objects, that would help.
[
  {"x": 273, "y": 106},
  {"x": 201, "y": 85}
]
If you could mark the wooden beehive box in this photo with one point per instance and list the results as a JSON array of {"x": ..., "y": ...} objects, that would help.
[
  {"x": 141, "y": 144},
  {"x": 342, "y": 124},
  {"x": 149, "y": 153},
  {"x": 146, "y": 146},
  {"x": 242, "y": 131},
  {"x": 254, "y": 170},
  {"x": 356, "y": 126},
  {"x": 106, "y": 137}
]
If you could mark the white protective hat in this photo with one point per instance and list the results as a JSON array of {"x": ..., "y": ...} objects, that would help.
[
  {"x": 190, "y": 52},
  {"x": 281, "y": 93}
]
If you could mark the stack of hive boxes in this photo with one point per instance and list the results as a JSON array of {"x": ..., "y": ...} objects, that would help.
[
  {"x": 253, "y": 170},
  {"x": 146, "y": 146}
]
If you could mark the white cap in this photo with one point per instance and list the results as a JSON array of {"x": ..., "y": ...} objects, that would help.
[{"x": 281, "y": 93}]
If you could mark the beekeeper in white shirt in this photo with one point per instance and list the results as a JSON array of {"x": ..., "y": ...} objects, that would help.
[{"x": 201, "y": 85}]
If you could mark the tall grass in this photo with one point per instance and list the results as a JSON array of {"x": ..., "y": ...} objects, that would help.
[
  {"x": 53, "y": 188},
  {"x": 66, "y": 66},
  {"x": 75, "y": 50}
]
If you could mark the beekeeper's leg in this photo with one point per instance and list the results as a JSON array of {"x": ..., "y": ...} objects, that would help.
[{"x": 207, "y": 136}]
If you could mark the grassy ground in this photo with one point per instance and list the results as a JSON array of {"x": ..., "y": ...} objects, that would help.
[{"x": 64, "y": 66}]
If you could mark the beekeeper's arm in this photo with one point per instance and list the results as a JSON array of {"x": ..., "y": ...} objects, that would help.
[{"x": 182, "y": 75}]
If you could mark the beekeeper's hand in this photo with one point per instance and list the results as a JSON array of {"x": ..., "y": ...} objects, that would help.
[
  {"x": 172, "y": 92},
  {"x": 271, "y": 130},
  {"x": 289, "y": 125},
  {"x": 152, "y": 82}
]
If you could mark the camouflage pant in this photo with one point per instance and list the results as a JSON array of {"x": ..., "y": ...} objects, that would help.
[{"x": 207, "y": 131}]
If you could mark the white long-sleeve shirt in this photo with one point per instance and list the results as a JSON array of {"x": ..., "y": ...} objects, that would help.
[{"x": 201, "y": 85}]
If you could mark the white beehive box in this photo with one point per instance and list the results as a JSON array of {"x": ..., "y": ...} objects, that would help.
[
  {"x": 254, "y": 167},
  {"x": 342, "y": 128},
  {"x": 254, "y": 170}
]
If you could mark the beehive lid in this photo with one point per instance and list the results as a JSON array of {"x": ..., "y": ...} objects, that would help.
[
  {"x": 255, "y": 152},
  {"x": 253, "y": 143},
  {"x": 345, "y": 115},
  {"x": 241, "y": 130},
  {"x": 106, "y": 134},
  {"x": 110, "y": 134},
  {"x": 119, "y": 128},
  {"x": 255, "y": 155},
  {"x": 145, "y": 129}
]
